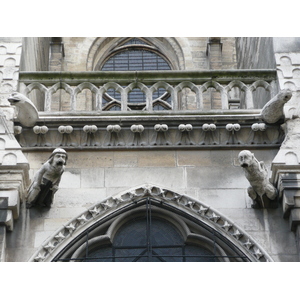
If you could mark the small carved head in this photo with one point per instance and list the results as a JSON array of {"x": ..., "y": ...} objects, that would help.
[
  {"x": 285, "y": 95},
  {"x": 245, "y": 158},
  {"x": 17, "y": 98},
  {"x": 58, "y": 157}
]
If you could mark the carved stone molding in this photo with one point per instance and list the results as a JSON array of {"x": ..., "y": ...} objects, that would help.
[
  {"x": 211, "y": 217},
  {"x": 148, "y": 134}
]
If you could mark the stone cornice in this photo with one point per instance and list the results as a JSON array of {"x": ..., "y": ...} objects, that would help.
[
  {"x": 175, "y": 76},
  {"x": 149, "y": 131}
]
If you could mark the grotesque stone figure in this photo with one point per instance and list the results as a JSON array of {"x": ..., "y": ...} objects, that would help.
[
  {"x": 261, "y": 191},
  {"x": 46, "y": 180},
  {"x": 273, "y": 110},
  {"x": 27, "y": 112}
]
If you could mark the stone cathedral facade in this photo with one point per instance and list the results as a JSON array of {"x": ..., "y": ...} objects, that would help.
[{"x": 149, "y": 131}]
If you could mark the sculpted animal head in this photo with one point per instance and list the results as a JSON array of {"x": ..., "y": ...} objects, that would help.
[
  {"x": 246, "y": 158},
  {"x": 27, "y": 113},
  {"x": 18, "y": 98},
  {"x": 285, "y": 95}
]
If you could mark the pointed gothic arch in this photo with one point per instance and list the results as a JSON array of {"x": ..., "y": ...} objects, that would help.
[{"x": 212, "y": 235}]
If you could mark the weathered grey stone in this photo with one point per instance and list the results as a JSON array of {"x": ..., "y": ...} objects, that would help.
[
  {"x": 222, "y": 198},
  {"x": 41, "y": 236},
  {"x": 78, "y": 197},
  {"x": 27, "y": 113},
  {"x": 208, "y": 172},
  {"x": 194, "y": 158},
  {"x": 283, "y": 244},
  {"x": 261, "y": 191},
  {"x": 156, "y": 159},
  {"x": 273, "y": 110},
  {"x": 92, "y": 178},
  {"x": 47, "y": 179},
  {"x": 170, "y": 177},
  {"x": 71, "y": 179},
  {"x": 54, "y": 224},
  {"x": 89, "y": 159},
  {"x": 2, "y": 243},
  {"x": 218, "y": 177},
  {"x": 126, "y": 159}
]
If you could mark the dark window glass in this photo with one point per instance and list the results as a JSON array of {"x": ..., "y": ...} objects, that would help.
[
  {"x": 135, "y": 60},
  {"x": 158, "y": 240}
]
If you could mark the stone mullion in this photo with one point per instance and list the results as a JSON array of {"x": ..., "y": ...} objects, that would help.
[
  {"x": 297, "y": 232},
  {"x": 124, "y": 100},
  {"x": 249, "y": 99},
  {"x": 48, "y": 100},
  {"x": 149, "y": 101},
  {"x": 2, "y": 243}
]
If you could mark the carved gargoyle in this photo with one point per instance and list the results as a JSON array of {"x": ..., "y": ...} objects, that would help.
[
  {"x": 27, "y": 113},
  {"x": 46, "y": 180},
  {"x": 261, "y": 191},
  {"x": 273, "y": 109}
]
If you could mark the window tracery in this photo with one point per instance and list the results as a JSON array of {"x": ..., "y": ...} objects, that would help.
[{"x": 136, "y": 55}]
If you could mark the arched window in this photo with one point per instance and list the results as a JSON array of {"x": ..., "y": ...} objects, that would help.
[
  {"x": 135, "y": 55},
  {"x": 142, "y": 240},
  {"x": 150, "y": 224}
]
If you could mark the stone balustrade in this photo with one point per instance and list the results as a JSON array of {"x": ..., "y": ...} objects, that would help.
[{"x": 182, "y": 90}]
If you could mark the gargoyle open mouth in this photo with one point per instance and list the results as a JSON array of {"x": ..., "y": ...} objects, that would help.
[
  {"x": 244, "y": 165},
  {"x": 60, "y": 163},
  {"x": 13, "y": 100}
]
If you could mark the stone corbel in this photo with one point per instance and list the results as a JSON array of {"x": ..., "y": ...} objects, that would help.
[
  {"x": 9, "y": 208},
  {"x": 288, "y": 184}
]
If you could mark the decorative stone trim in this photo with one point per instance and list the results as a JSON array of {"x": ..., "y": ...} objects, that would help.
[
  {"x": 172, "y": 134},
  {"x": 52, "y": 246},
  {"x": 172, "y": 81}
]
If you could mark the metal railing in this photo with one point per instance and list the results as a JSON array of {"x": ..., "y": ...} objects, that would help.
[{"x": 224, "y": 83}]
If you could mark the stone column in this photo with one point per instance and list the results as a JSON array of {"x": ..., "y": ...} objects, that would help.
[
  {"x": 13, "y": 164},
  {"x": 285, "y": 166},
  {"x": 214, "y": 54},
  {"x": 2, "y": 243},
  {"x": 298, "y": 240},
  {"x": 56, "y": 54}
]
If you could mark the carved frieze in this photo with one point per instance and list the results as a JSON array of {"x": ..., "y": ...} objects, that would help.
[
  {"x": 258, "y": 134},
  {"x": 232, "y": 133},
  {"x": 208, "y": 135},
  {"x": 185, "y": 137},
  {"x": 196, "y": 135},
  {"x": 161, "y": 136},
  {"x": 90, "y": 135},
  {"x": 41, "y": 131},
  {"x": 137, "y": 139},
  {"x": 114, "y": 136},
  {"x": 65, "y": 132}
]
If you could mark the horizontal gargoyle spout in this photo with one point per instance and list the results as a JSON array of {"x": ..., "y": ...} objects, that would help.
[
  {"x": 27, "y": 113},
  {"x": 273, "y": 110}
]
